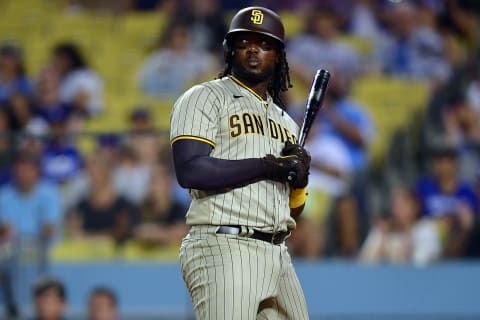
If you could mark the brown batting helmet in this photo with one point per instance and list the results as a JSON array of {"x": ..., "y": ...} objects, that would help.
[{"x": 256, "y": 19}]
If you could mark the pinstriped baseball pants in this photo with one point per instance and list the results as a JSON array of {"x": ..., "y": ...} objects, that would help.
[{"x": 233, "y": 277}]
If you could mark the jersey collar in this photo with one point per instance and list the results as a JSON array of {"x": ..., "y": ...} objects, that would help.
[{"x": 243, "y": 85}]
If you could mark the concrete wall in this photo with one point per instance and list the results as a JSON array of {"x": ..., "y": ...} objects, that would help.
[{"x": 334, "y": 289}]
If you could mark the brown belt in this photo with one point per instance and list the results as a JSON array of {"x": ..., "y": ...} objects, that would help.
[{"x": 273, "y": 238}]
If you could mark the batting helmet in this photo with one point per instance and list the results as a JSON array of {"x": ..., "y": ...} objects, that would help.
[{"x": 255, "y": 19}]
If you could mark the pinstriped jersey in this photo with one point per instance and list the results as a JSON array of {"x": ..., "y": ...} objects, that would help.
[{"x": 238, "y": 124}]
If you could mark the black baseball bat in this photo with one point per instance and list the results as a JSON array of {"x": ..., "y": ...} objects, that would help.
[{"x": 314, "y": 103}]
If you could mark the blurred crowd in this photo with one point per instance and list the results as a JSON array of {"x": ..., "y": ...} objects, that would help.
[
  {"x": 124, "y": 183},
  {"x": 50, "y": 301},
  {"x": 418, "y": 218},
  {"x": 51, "y": 191}
]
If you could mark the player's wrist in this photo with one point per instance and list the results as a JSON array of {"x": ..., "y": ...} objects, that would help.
[
  {"x": 298, "y": 197},
  {"x": 267, "y": 165}
]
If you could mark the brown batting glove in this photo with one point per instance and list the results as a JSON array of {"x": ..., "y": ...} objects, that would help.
[
  {"x": 301, "y": 180},
  {"x": 295, "y": 149},
  {"x": 279, "y": 169}
]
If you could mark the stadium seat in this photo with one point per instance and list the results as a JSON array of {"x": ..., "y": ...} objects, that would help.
[
  {"x": 143, "y": 28},
  {"x": 362, "y": 46},
  {"x": 293, "y": 23},
  {"x": 392, "y": 103},
  {"x": 135, "y": 251},
  {"x": 83, "y": 249}
]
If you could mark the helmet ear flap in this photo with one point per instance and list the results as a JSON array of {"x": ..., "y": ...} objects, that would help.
[{"x": 228, "y": 51}]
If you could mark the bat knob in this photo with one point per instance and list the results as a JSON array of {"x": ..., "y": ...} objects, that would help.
[{"x": 292, "y": 176}]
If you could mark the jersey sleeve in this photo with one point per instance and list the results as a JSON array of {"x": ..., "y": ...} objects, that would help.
[{"x": 195, "y": 116}]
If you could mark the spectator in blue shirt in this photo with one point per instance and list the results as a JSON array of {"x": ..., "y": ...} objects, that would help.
[
  {"x": 12, "y": 73},
  {"x": 449, "y": 200},
  {"x": 29, "y": 214},
  {"x": 444, "y": 193},
  {"x": 343, "y": 119},
  {"x": 29, "y": 207},
  {"x": 346, "y": 120},
  {"x": 61, "y": 161}
]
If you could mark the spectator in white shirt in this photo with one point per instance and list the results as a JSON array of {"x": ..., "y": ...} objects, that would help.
[
  {"x": 403, "y": 237},
  {"x": 319, "y": 46},
  {"x": 411, "y": 48},
  {"x": 80, "y": 86},
  {"x": 175, "y": 65},
  {"x": 131, "y": 177}
]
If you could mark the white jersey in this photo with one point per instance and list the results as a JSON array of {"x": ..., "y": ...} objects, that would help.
[{"x": 238, "y": 124}]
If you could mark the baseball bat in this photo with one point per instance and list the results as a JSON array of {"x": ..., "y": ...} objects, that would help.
[{"x": 314, "y": 103}]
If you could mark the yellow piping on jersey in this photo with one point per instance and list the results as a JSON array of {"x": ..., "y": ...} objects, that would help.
[
  {"x": 249, "y": 89},
  {"x": 192, "y": 138}
]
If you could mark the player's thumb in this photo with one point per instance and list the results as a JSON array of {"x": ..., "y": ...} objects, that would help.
[{"x": 286, "y": 148}]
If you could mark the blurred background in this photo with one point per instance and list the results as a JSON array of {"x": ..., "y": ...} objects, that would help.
[{"x": 91, "y": 216}]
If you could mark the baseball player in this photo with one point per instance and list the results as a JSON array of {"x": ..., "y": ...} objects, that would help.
[{"x": 234, "y": 147}]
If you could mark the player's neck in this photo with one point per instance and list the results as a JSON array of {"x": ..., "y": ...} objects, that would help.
[{"x": 260, "y": 88}]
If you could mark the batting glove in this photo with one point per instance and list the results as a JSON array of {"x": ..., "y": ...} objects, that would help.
[{"x": 290, "y": 149}]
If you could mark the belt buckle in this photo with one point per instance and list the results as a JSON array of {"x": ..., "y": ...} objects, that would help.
[
  {"x": 279, "y": 237},
  {"x": 245, "y": 231}
]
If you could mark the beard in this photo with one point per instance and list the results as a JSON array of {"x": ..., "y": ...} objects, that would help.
[{"x": 253, "y": 76}]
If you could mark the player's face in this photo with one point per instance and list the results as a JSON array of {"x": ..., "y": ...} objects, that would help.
[{"x": 255, "y": 57}]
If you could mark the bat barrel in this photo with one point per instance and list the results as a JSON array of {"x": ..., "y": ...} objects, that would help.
[
  {"x": 315, "y": 97},
  {"x": 319, "y": 84},
  {"x": 314, "y": 102}
]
